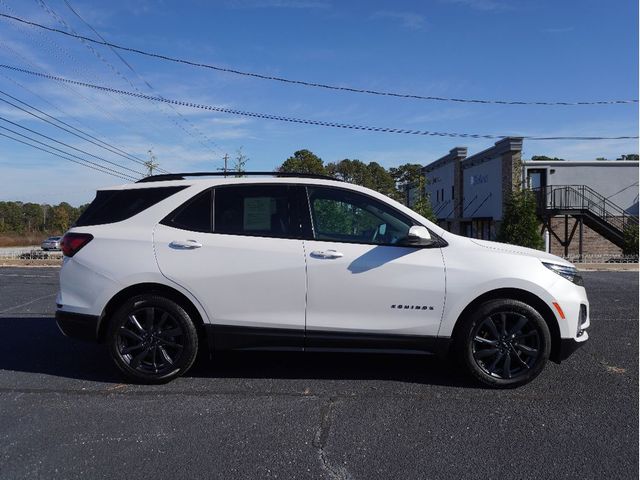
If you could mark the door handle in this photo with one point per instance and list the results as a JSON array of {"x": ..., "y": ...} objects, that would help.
[
  {"x": 327, "y": 254},
  {"x": 185, "y": 244}
]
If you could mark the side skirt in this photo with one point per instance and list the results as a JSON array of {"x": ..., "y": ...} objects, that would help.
[{"x": 229, "y": 337}]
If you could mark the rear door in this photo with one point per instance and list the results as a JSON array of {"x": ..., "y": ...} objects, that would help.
[
  {"x": 367, "y": 288},
  {"x": 238, "y": 250}
]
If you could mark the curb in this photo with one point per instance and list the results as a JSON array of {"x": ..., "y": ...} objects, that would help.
[{"x": 607, "y": 267}]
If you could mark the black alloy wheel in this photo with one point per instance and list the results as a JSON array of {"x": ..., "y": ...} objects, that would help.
[
  {"x": 504, "y": 343},
  {"x": 152, "y": 339}
]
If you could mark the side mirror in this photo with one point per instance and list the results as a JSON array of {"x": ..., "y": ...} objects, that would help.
[{"x": 419, "y": 235}]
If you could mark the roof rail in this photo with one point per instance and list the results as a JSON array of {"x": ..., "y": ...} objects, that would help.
[{"x": 181, "y": 176}]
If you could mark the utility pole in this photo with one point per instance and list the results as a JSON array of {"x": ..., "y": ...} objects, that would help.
[
  {"x": 150, "y": 164},
  {"x": 225, "y": 169}
]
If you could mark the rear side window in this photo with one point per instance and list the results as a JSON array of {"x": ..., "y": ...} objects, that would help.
[
  {"x": 195, "y": 215},
  {"x": 256, "y": 210},
  {"x": 111, "y": 206}
]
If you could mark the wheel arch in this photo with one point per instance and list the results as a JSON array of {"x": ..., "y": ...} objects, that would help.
[
  {"x": 149, "y": 288},
  {"x": 526, "y": 297}
]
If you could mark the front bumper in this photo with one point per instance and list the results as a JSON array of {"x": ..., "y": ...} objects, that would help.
[
  {"x": 567, "y": 347},
  {"x": 78, "y": 325}
]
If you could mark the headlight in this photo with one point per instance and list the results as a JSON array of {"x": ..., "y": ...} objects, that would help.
[{"x": 570, "y": 273}]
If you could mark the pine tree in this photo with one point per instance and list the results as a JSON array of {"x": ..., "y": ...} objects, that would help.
[{"x": 520, "y": 224}]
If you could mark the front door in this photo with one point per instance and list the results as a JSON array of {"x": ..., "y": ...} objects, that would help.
[{"x": 364, "y": 282}]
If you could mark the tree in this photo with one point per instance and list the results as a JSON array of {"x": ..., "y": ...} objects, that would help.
[
  {"x": 303, "y": 161},
  {"x": 11, "y": 219},
  {"x": 371, "y": 175},
  {"x": 410, "y": 179},
  {"x": 240, "y": 162},
  {"x": 629, "y": 156},
  {"x": 520, "y": 222},
  {"x": 61, "y": 219},
  {"x": 630, "y": 239},
  {"x": 32, "y": 215},
  {"x": 381, "y": 179},
  {"x": 422, "y": 205}
]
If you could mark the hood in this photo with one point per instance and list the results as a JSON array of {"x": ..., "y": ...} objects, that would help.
[{"x": 516, "y": 250}]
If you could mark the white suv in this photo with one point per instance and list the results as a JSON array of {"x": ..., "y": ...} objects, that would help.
[{"x": 171, "y": 264}]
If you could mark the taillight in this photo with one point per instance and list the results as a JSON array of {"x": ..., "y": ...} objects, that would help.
[{"x": 72, "y": 243}]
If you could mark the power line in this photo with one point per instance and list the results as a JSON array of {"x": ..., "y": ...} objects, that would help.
[
  {"x": 81, "y": 134},
  {"x": 47, "y": 45},
  {"x": 321, "y": 123},
  {"x": 313, "y": 84},
  {"x": 66, "y": 158},
  {"x": 107, "y": 145},
  {"x": 130, "y": 67},
  {"x": 115, "y": 70},
  {"x": 69, "y": 146},
  {"x": 68, "y": 153},
  {"x": 83, "y": 162}
]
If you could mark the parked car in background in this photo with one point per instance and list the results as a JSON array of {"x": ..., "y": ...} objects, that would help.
[
  {"x": 51, "y": 243},
  {"x": 171, "y": 264}
]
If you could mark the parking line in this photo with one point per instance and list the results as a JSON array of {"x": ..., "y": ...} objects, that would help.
[{"x": 28, "y": 303}]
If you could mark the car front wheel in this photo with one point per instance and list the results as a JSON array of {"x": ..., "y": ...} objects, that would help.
[
  {"x": 152, "y": 339},
  {"x": 504, "y": 343}
]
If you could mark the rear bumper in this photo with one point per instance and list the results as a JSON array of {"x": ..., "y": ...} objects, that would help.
[{"x": 78, "y": 325}]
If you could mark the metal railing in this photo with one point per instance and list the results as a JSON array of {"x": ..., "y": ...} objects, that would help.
[
  {"x": 29, "y": 253},
  {"x": 584, "y": 199},
  {"x": 600, "y": 258}
]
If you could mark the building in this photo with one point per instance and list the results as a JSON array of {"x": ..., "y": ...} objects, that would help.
[{"x": 584, "y": 207}]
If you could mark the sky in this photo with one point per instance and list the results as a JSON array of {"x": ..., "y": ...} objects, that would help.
[{"x": 517, "y": 50}]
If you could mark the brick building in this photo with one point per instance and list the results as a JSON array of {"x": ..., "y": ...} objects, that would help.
[{"x": 584, "y": 207}]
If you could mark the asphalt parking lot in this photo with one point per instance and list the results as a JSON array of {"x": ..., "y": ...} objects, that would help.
[{"x": 64, "y": 412}]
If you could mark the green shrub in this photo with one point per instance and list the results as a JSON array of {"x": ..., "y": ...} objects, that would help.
[{"x": 520, "y": 225}]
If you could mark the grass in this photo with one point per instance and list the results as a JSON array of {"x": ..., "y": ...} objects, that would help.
[{"x": 10, "y": 239}]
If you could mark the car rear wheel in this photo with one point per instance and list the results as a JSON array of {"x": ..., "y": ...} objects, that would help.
[
  {"x": 152, "y": 339},
  {"x": 504, "y": 343}
]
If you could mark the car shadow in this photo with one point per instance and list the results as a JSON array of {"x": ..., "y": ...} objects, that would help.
[
  {"x": 35, "y": 345},
  {"x": 377, "y": 257}
]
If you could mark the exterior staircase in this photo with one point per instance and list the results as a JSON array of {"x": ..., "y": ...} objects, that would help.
[{"x": 580, "y": 201}]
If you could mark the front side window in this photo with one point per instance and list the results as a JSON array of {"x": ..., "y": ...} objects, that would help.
[
  {"x": 256, "y": 210},
  {"x": 345, "y": 216}
]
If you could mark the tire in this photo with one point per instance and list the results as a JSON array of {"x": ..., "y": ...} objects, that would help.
[
  {"x": 152, "y": 339},
  {"x": 503, "y": 344}
]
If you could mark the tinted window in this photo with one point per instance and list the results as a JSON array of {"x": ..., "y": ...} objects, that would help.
[
  {"x": 195, "y": 215},
  {"x": 344, "y": 216},
  {"x": 112, "y": 206},
  {"x": 259, "y": 210}
]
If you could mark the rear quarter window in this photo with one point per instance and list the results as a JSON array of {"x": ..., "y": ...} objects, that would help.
[
  {"x": 111, "y": 206},
  {"x": 195, "y": 215}
]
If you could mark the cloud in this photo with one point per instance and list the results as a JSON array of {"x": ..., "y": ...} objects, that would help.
[
  {"x": 483, "y": 5},
  {"x": 410, "y": 20}
]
